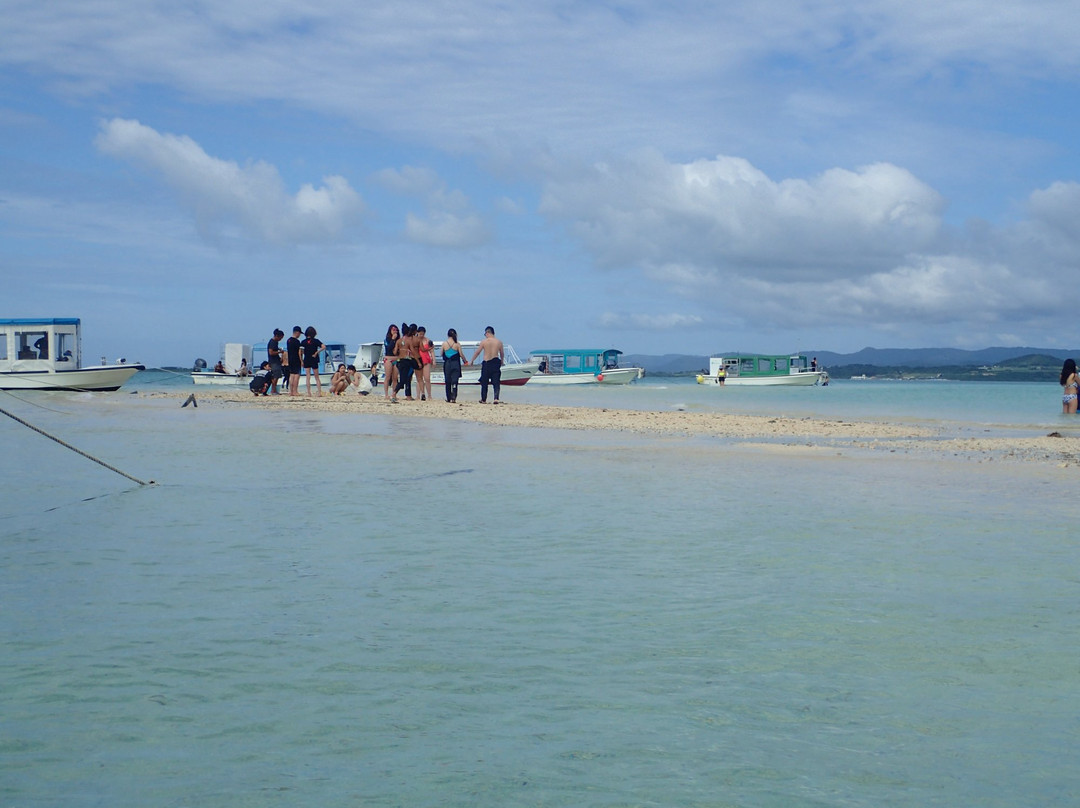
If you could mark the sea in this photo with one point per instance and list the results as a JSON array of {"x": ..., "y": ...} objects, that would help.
[{"x": 338, "y": 609}]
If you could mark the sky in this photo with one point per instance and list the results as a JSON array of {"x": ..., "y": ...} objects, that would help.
[{"x": 660, "y": 177}]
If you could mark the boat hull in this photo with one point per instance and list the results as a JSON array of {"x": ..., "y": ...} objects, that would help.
[
  {"x": 609, "y": 376},
  {"x": 222, "y": 379},
  {"x": 98, "y": 379},
  {"x": 512, "y": 375}
]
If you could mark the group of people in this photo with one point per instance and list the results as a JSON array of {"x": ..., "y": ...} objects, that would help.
[
  {"x": 408, "y": 357},
  {"x": 284, "y": 366},
  {"x": 409, "y": 354}
]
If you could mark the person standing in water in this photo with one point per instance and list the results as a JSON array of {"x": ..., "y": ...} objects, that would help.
[
  {"x": 1070, "y": 381},
  {"x": 491, "y": 368}
]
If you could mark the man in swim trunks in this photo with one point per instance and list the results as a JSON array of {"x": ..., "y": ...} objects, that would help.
[{"x": 491, "y": 368}]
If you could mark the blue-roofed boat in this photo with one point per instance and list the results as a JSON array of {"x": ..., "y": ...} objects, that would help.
[
  {"x": 46, "y": 354},
  {"x": 581, "y": 366}
]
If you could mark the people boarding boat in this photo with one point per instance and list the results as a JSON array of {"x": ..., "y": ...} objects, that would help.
[{"x": 46, "y": 354}]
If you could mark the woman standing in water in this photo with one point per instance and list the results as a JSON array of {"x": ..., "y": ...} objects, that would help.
[
  {"x": 451, "y": 364},
  {"x": 1071, "y": 383}
]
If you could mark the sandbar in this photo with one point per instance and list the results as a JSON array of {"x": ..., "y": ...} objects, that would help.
[{"x": 774, "y": 432}]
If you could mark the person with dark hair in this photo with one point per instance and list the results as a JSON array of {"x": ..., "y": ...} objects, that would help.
[
  {"x": 390, "y": 362},
  {"x": 261, "y": 381},
  {"x": 292, "y": 355},
  {"x": 451, "y": 364},
  {"x": 312, "y": 346},
  {"x": 273, "y": 356},
  {"x": 1071, "y": 383},
  {"x": 408, "y": 354},
  {"x": 491, "y": 368},
  {"x": 425, "y": 349}
]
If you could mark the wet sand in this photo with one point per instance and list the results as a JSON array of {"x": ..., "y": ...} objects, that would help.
[{"x": 767, "y": 432}]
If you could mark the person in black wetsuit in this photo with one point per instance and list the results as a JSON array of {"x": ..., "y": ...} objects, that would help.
[
  {"x": 273, "y": 356},
  {"x": 312, "y": 346},
  {"x": 292, "y": 356}
]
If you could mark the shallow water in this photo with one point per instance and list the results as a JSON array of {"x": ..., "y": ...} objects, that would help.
[
  {"x": 997, "y": 405},
  {"x": 344, "y": 610}
]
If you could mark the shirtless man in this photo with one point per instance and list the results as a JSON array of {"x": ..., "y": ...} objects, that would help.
[{"x": 491, "y": 369}]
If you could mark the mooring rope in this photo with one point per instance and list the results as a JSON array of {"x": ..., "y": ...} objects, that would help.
[{"x": 40, "y": 431}]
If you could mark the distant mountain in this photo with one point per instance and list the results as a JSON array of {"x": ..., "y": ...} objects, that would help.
[
  {"x": 668, "y": 363},
  {"x": 934, "y": 357},
  {"x": 880, "y": 357}
]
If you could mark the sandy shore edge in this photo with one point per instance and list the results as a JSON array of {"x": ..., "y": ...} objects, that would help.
[{"x": 749, "y": 430}]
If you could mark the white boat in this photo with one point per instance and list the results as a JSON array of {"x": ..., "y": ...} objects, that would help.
[
  {"x": 235, "y": 354},
  {"x": 46, "y": 354},
  {"x": 758, "y": 370},
  {"x": 514, "y": 372},
  {"x": 582, "y": 366}
]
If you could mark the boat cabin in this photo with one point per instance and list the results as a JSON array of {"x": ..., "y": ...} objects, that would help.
[
  {"x": 45, "y": 344},
  {"x": 576, "y": 360}
]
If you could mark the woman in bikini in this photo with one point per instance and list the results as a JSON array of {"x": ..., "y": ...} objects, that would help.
[
  {"x": 427, "y": 358},
  {"x": 1071, "y": 383},
  {"x": 390, "y": 361}
]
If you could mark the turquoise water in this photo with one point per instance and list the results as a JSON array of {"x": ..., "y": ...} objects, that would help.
[{"x": 322, "y": 609}]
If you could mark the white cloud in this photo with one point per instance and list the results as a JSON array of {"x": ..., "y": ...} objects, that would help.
[
  {"x": 648, "y": 322},
  {"x": 409, "y": 180},
  {"x": 449, "y": 72},
  {"x": 724, "y": 215},
  {"x": 448, "y": 220},
  {"x": 441, "y": 228},
  {"x": 225, "y": 196},
  {"x": 863, "y": 247}
]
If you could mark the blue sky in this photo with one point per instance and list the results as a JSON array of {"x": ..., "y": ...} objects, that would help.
[{"x": 662, "y": 177}]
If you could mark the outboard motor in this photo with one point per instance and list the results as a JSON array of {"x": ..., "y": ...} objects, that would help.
[{"x": 200, "y": 365}]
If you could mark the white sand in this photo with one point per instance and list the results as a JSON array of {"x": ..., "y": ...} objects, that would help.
[{"x": 804, "y": 434}]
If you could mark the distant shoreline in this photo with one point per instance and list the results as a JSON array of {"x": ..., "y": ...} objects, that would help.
[{"x": 804, "y": 434}]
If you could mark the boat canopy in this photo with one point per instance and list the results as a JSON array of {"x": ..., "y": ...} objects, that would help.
[
  {"x": 760, "y": 364},
  {"x": 576, "y": 360},
  {"x": 40, "y": 344}
]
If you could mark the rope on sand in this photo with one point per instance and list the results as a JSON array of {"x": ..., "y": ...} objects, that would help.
[{"x": 40, "y": 431}]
